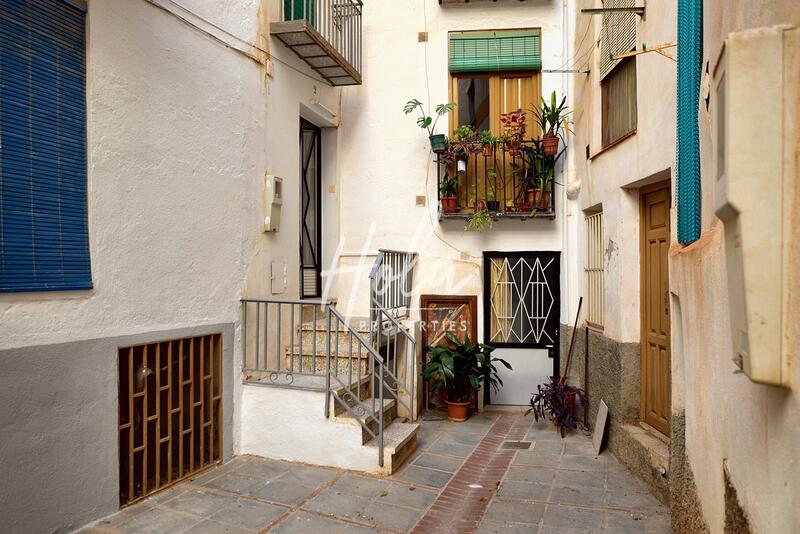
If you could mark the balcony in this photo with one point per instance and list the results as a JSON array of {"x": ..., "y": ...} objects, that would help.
[
  {"x": 326, "y": 34},
  {"x": 501, "y": 180}
]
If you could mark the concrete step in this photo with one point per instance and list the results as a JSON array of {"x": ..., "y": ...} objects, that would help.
[
  {"x": 368, "y": 412},
  {"x": 314, "y": 361},
  {"x": 399, "y": 443}
]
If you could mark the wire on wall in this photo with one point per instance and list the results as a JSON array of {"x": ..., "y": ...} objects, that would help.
[{"x": 218, "y": 39}]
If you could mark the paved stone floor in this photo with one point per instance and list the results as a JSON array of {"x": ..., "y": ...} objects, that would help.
[{"x": 461, "y": 479}]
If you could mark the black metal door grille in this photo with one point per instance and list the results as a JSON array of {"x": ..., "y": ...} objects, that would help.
[{"x": 311, "y": 210}]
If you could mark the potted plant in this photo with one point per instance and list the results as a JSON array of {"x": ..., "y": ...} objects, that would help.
[
  {"x": 464, "y": 137},
  {"x": 481, "y": 220},
  {"x": 514, "y": 128},
  {"x": 555, "y": 400},
  {"x": 552, "y": 117},
  {"x": 538, "y": 177},
  {"x": 460, "y": 368},
  {"x": 492, "y": 204},
  {"x": 487, "y": 142},
  {"x": 447, "y": 193},
  {"x": 427, "y": 122}
]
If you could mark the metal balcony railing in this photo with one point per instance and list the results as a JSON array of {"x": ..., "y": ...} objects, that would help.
[
  {"x": 326, "y": 34},
  {"x": 502, "y": 181}
]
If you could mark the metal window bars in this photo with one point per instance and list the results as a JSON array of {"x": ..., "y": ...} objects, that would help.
[{"x": 594, "y": 269}]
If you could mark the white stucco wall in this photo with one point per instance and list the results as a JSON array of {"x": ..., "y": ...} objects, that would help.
[
  {"x": 749, "y": 428},
  {"x": 610, "y": 178},
  {"x": 386, "y": 158},
  {"x": 304, "y": 434},
  {"x": 181, "y": 131}
]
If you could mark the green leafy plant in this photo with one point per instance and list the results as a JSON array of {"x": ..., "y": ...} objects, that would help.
[
  {"x": 551, "y": 116},
  {"x": 460, "y": 368},
  {"x": 465, "y": 132},
  {"x": 425, "y": 121},
  {"x": 448, "y": 186},
  {"x": 480, "y": 221},
  {"x": 487, "y": 138}
]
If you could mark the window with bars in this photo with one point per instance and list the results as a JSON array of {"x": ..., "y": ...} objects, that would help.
[{"x": 594, "y": 269}]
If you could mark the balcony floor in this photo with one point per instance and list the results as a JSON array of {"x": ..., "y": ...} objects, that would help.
[{"x": 305, "y": 41}]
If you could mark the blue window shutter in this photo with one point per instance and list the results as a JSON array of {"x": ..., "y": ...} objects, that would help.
[
  {"x": 690, "y": 64},
  {"x": 44, "y": 242}
]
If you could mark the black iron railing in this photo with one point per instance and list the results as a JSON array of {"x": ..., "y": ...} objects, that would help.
[
  {"x": 337, "y": 21},
  {"x": 503, "y": 180}
]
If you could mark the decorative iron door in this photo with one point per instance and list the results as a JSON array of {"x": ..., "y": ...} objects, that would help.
[
  {"x": 522, "y": 300},
  {"x": 310, "y": 210}
]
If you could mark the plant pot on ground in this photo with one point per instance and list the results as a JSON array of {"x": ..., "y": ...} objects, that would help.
[
  {"x": 460, "y": 367},
  {"x": 555, "y": 400}
]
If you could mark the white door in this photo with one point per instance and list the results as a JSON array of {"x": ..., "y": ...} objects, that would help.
[{"x": 531, "y": 367}]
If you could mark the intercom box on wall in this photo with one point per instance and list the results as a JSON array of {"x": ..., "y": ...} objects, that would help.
[{"x": 757, "y": 81}]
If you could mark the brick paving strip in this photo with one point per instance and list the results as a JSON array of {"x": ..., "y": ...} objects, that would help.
[{"x": 460, "y": 508}]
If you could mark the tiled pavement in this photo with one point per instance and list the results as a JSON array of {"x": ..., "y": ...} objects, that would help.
[{"x": 557, "y": 486}]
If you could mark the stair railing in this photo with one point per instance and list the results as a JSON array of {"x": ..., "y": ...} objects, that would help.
[
  {"x": 391, "y": 281},
  {"x": 271, "y": 354}
]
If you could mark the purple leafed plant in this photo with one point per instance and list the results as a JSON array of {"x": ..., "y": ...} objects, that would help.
[{"x": 555, "y": 401}]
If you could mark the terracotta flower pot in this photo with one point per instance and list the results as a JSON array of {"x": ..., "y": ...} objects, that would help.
[
  {"x": 550, "y": 145},
  {"x": 488, "y": 150},
  {"x": 458, "y": 411},
  {"x": 449, "y": 204},
  {"x": 538, "y": 199}
]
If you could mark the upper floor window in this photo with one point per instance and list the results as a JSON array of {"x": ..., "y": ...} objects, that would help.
[
  {"x": 44, "y": 244},
  {"x": 619, "y": 101},
  {"x": 493, "y": 72},
  {"x": 618, "y": 76}
]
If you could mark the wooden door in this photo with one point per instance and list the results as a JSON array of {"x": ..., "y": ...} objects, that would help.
[
  {"x": 655, "y": 341},
  {"x": 441, "y": 314}
]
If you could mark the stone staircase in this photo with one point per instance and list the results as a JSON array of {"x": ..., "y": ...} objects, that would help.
[{"x": 352, "y": 403}]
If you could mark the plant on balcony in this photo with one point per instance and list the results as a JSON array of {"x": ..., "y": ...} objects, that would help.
[
  {"x": 487, "y": 141},
  {"x": 447, "y": 193},
  {"x": 492, "y": 204},
  {"x": 460, "y": 368},
  {"x": 480, "y": 221},
  {"x": 538, "y": 176},
  {"x": 555, "y": 400},
  {"x": 427, "y": 122},
  {"x": 514, "y": 127},
  {"x": 552, "y": 120}
]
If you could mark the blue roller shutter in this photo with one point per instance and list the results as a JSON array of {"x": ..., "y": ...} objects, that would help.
[{"x": 44, "y": 244}]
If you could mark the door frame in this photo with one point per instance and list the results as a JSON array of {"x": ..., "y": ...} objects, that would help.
[
  {"x": 652, "y": 188},
  {"x": 306, "y": 125}
]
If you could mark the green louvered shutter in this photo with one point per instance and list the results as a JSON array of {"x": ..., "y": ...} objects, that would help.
[{"x": 495, "y": 51}]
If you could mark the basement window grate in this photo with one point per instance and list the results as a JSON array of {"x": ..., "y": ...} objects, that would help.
[{"x": 170, "y": 413}]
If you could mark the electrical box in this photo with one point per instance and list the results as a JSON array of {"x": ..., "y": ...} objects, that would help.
[
  {"x": 757, "y": 85},
  {"x": 273, "y": 200}
]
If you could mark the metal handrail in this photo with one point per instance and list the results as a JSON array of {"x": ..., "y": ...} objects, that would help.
[{"x": 274, "y": 347}]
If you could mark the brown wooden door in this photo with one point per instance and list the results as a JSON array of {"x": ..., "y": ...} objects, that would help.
[
  {"x": 442, "y": 314},
  {"x": 655, "y": 343}
]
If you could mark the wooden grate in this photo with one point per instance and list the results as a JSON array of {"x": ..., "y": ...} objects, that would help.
[{"x": 170, "y": 412}]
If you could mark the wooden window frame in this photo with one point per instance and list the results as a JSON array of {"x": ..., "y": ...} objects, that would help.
[{"x": 607, "y": 106}]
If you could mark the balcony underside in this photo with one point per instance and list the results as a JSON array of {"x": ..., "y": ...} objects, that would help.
[
  {"x": 521, "y": 216},
  {"x": 305, "y": 41}
]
